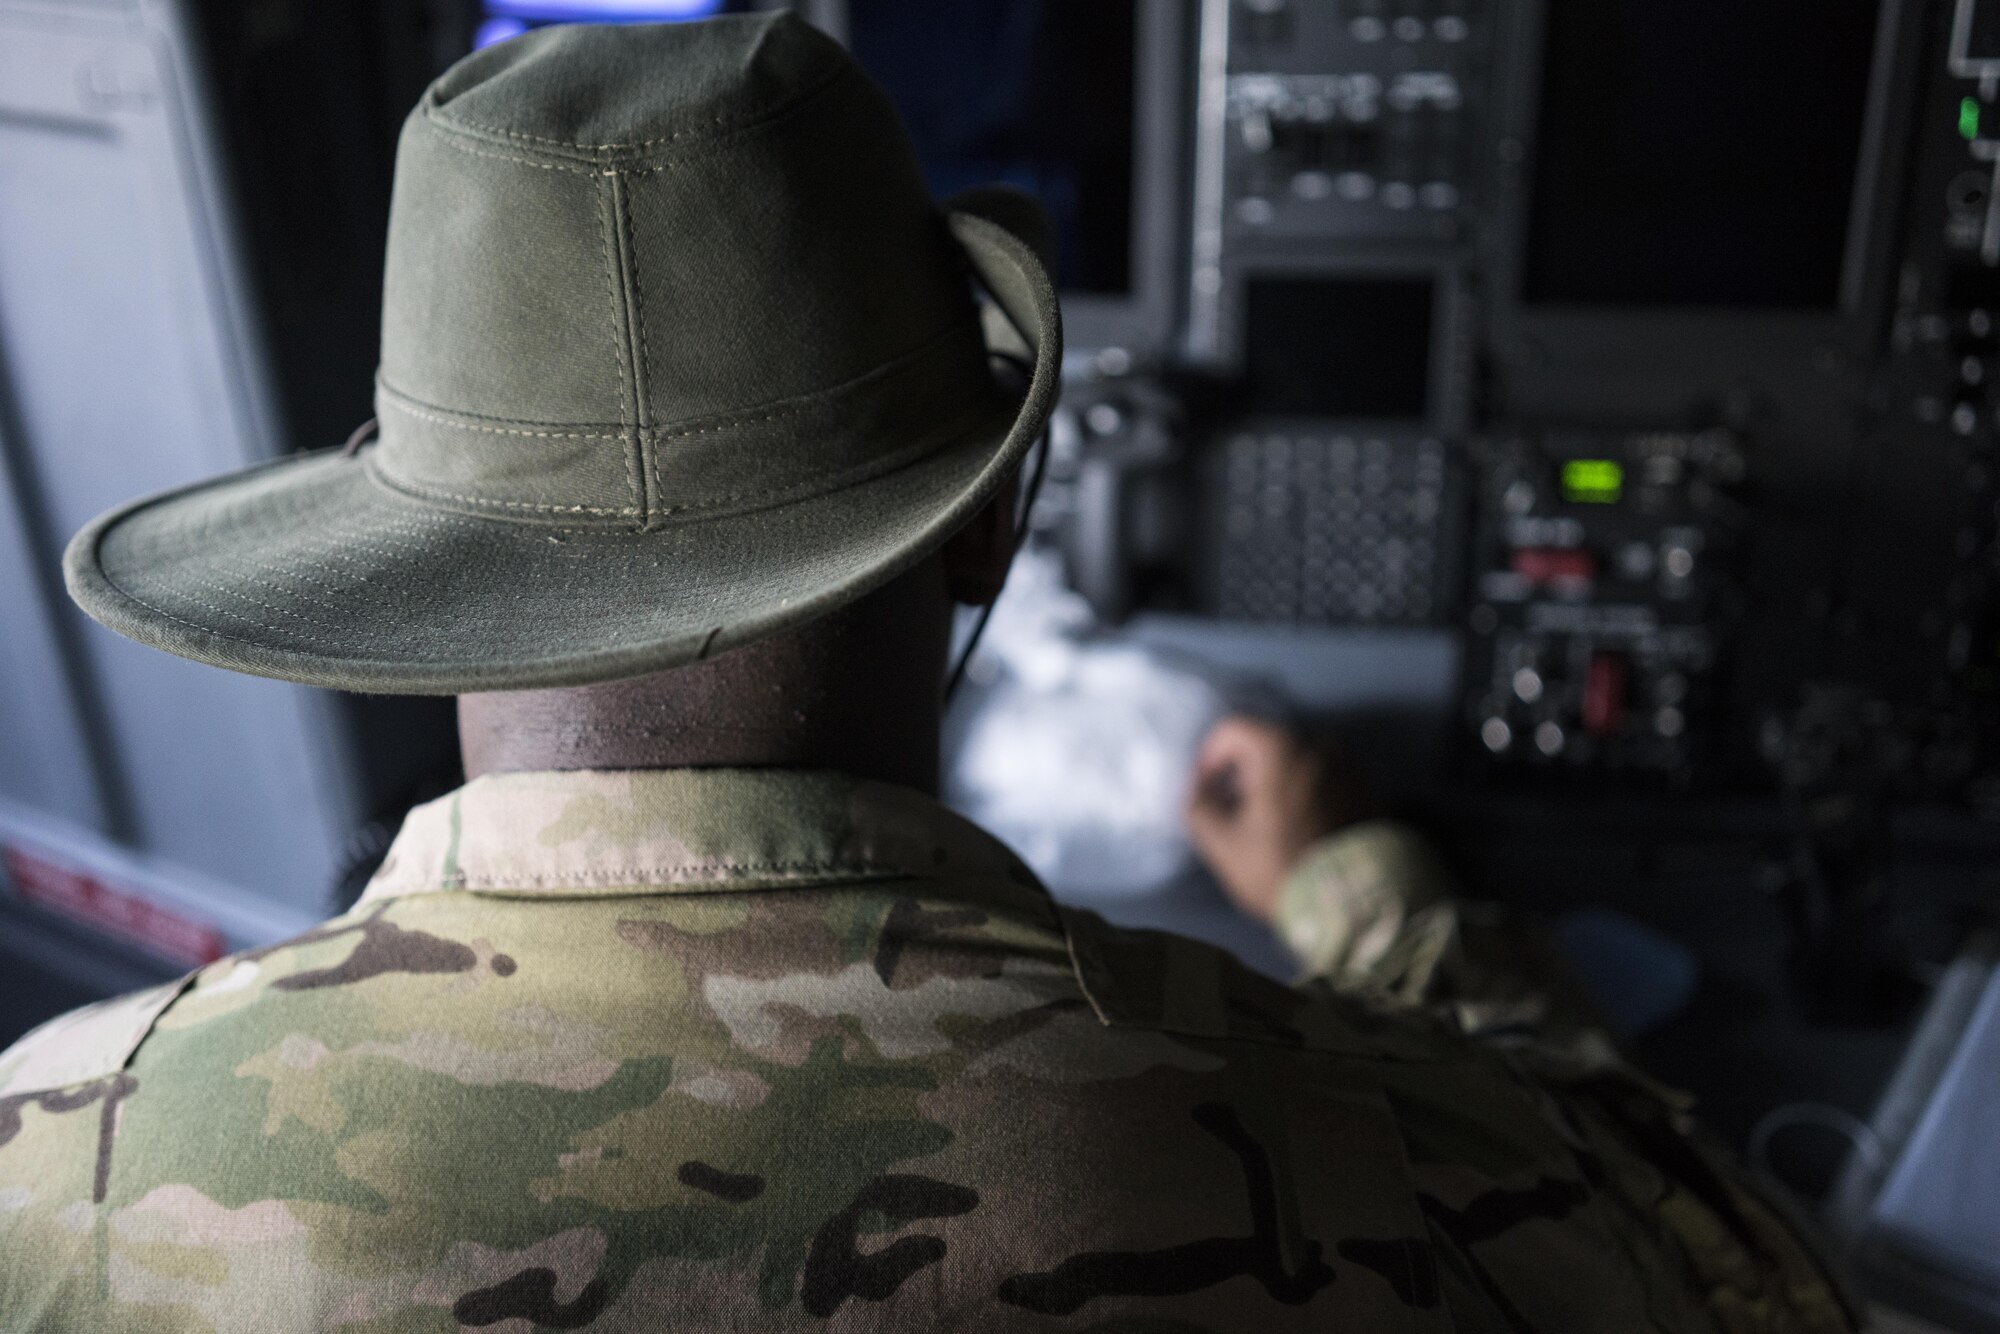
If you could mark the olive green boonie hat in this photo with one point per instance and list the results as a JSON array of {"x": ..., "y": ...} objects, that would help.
[{"x": 676, "y": 352}]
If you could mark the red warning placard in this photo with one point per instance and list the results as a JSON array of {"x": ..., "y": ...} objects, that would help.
[{"x": 118, "y": 912}]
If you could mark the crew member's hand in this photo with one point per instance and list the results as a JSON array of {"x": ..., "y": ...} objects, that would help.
[{"x": 1262, "y": 796}]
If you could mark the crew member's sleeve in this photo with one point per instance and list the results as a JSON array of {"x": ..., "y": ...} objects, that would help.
[
  {"x": 1374, "y": 909},
  {"x": 1370, "y": 907}
]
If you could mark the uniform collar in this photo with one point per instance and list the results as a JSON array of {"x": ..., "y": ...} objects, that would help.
[{"x": 594, "y": 833}]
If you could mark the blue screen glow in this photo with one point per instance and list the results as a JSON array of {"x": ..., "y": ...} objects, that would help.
[
  {"x": 497, "y": 30},
  {"x": 602, "y": 11}
]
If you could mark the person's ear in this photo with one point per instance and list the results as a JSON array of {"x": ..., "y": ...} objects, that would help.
[{"x": 977, "y": 556}]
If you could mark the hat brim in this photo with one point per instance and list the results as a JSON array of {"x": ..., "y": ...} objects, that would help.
[{"x": 310, "y": 570}]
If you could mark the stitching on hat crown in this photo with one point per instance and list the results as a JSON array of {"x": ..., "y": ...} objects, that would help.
[
  {"x": 632, "y": 338},
  {"x": 390, "y": 401},
  {"x": 620, "y": 347},
  {"x": 396, "y": 401},
  {"x": 492, "y": 503},
  {"x": 590, "y": 159},
  {"x": 668, "y": 127}
]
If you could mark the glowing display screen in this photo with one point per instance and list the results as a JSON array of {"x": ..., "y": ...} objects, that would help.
[
  {"x": 1593, "y": 481},
  {"x": 511, "y": 18}
]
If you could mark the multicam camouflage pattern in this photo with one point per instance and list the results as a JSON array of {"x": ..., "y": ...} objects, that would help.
[
  {"x": 1369, "y": 908},
  {"x": 757, "y": 1050},
  {"x": 1371, "y": 912}
]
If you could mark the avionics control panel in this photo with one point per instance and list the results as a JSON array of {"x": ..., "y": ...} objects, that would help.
[
  {"x": 1660, "y": 369},
  {"x": 1602, "y": 589},
  {"x": 1317, "y": 524},
  {"x": 1326, "y": 131}
]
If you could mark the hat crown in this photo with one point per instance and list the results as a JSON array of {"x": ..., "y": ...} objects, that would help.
[
  {"x": 610, "y": 90},
  {"x": 647, "y": 273}
]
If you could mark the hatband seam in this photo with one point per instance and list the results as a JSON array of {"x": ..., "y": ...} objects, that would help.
[
  {"x": 442, "y": 419},
  {"x": 402, "y": 401},
  {"x": 818, "y": 399},
  {"x": 617, "y": 352},
  {"x": 905, "y": 360},
  {"x": 436, "y": 114},
  {"x": 866, "y": 470},
  {"x": 425, "y": 491}
]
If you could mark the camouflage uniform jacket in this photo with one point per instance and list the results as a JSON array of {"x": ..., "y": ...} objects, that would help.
[{"x": 770, "y": 1050}]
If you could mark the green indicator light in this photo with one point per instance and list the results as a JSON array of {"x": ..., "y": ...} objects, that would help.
[
  {"x": 1593, "y": 481},
  {"x": 1968, "y": 117}
]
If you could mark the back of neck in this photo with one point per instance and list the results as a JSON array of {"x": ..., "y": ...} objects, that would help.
[{"x": 858, "y": 692}]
